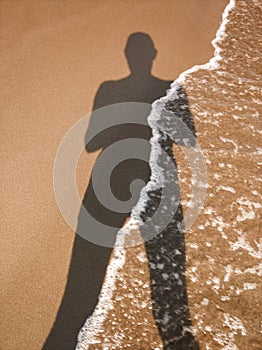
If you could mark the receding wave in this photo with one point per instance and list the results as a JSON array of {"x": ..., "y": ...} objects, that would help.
[{"x": 224, "y": 98}]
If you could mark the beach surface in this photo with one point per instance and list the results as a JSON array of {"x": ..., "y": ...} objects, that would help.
[{"x": 55, "y": 56}]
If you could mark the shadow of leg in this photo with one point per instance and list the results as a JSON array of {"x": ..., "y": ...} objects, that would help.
[
  {"x": 85, "y": 278},
  {"x": 166, "y": 256}
]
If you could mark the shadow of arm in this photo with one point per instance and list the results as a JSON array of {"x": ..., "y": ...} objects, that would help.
[{"x": 184, "y": 127}]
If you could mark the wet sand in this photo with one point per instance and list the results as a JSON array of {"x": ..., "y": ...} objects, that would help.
[
  {"x": 55, "y": 56},
  {"x": 223, "y": 246}
]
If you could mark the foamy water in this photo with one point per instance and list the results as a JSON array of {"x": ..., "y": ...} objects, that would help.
[{"x": 223, "y": 246}]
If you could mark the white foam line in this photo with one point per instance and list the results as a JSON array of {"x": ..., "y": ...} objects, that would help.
[
  {"x": 94, "y": 324},
  {"x": 213, "y": 62},
  {"x": 89, "y": 333},
  {"x": 172, "y": 93}
]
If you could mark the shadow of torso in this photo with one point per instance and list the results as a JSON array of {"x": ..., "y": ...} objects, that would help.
[{"x": 146, "y": 90}]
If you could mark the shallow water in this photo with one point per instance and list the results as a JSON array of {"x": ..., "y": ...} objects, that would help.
[{"x": 223, "y": 247}]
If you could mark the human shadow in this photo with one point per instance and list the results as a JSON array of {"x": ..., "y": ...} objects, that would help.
[{"x": 89, "y": 261}]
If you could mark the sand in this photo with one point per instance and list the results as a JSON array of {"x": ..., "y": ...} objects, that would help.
[{"x": 55, "y": 54}]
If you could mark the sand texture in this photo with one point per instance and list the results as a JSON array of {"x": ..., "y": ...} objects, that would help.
[{"x": 55, "y": 55}]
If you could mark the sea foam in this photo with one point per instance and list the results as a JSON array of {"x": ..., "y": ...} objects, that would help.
[{"x": 93, "y": 326}]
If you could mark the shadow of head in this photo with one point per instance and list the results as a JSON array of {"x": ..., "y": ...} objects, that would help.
[{"x": 140, "y": 53}]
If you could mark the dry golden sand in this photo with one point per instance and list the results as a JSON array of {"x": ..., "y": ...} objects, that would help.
[{"x": 54, "y": 56}]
